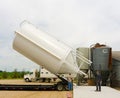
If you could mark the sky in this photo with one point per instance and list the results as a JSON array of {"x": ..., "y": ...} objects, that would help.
[{"x": 78, "y": 23}]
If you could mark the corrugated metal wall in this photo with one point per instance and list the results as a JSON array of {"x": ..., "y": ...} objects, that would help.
[
  {"x": 115, "y": 75},
  {"x": 100, "y": 58}
]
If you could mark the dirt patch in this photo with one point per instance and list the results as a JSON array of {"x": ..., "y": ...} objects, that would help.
[{"x": 34, "y": 94}]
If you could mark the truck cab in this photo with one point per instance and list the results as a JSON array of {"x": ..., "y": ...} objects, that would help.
[
  {"x": 43, "y": 76},
  {"x": 31, "y": 76}
]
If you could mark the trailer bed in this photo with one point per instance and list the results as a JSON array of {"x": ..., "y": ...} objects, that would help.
[{"x": 27, "y": 87}]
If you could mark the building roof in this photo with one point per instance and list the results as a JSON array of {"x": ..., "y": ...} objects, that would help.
[{"x": 116, "y": 55}]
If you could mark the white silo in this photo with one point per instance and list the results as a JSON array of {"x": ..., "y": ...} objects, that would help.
[{"x": 45, "y": 50}]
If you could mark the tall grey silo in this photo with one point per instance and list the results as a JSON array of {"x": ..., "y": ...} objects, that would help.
[{"x": 101, "y": 60}]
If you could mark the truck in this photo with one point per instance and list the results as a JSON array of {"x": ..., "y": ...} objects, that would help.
[
  {"x": 42, "y": 75},
  {"x": 31, "y": 76},
  {"x": 45, "y": 50}
]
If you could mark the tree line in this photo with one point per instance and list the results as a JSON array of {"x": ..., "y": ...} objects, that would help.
[{"x": 12, "y": 75}]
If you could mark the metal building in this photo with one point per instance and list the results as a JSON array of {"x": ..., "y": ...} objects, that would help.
[{"x": 115, "y": 75}]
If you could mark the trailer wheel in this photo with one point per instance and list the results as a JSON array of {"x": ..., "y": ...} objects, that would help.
[
  {"x": 60, "y": 87},
  {"x": 27, "y": 80}
]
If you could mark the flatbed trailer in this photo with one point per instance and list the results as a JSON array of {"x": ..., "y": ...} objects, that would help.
[
  {"x": 60, "y": 86},
  {"x": 28, "y": 87}
]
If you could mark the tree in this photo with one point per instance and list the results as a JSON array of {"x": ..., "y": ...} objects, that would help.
[
  {"x": 15, "y": 74},
  {"x": 4, "y": 75},
  {"x": 22, "y": 74}
]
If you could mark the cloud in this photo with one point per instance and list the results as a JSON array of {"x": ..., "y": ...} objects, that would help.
[{"x": 76, "y": 22}]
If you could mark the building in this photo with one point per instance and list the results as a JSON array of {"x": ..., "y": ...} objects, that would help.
[{"x": 115, "y": 76}]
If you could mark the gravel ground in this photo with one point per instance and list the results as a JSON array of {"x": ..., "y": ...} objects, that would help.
[
  {"x": 34, "y": 94},
  {"x": 31, "y": 94}
]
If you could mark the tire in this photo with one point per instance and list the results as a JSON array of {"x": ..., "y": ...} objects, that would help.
[
  {"x": 60, "y": 87},
  {"x": 27, "y": 80}
]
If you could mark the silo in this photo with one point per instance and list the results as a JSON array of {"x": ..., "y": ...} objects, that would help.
[
  {"x": 84, "y": 52},
  {"x": 101, "y": 60},
  {"x": 45, "y": 50}
]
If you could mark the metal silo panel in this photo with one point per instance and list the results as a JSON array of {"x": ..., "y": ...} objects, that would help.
[
  {"x": 116, "y": 70},
  {"x": 85, "y": 53},
  {"x": 100, "y": 58}
]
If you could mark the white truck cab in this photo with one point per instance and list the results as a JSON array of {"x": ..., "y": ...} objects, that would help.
[
  {"x": 30, "y": 76},
  {"x": 43, "y": 75}
]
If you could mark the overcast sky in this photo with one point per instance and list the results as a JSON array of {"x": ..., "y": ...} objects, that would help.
[{"x": 79, "y": 23}]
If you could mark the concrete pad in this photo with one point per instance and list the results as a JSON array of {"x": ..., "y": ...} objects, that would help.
[{"x": 89, "y": 92}]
